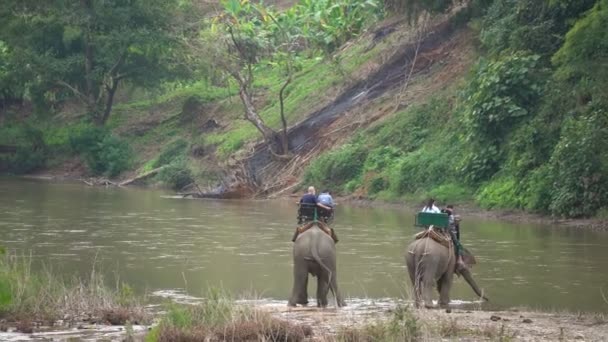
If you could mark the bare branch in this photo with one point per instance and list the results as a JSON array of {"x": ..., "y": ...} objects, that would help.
[{"x": 80, "y": 95}]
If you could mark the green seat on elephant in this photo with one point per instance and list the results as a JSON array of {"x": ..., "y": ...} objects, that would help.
[{"x": 432, "y": 219}]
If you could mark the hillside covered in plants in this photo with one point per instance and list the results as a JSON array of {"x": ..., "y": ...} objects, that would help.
[
  {"x": 502, "y": 102},
  {"x": 526, "y": 128}
]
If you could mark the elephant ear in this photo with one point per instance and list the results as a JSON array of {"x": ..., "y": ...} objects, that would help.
[{"x": 468, "y": 257}]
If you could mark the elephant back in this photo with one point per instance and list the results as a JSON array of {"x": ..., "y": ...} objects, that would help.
[
  {"x": 316, "y": 224},
  {"x": 439, "y": 236}
]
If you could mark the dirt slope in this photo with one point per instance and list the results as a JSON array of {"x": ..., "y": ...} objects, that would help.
[{"x": 421, "y": 65}]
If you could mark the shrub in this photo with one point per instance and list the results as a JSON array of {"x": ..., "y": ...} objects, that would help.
[
  {"x": 480, "y": 163},
  {"x": 529, "y": 25},
  {"x": 410, "y": 129},
  {"x": 403, "y": 326},
  {"x": 172, "y": 151},
  {"x": 421, "y": 169},
  {"x": 103, "y": 152},
  {"x": 582, "y": 58},
  {"x": 537, "y": 189},
  {"x": 502, "y": 94},
  {"x": 24, "y": 160},
  {"x": 85, "y": 138},
  {"x": 115, "y": 156},
  {"x": 31, "y": 152},
  {"x": 579, "y": 166},
  {"x": 338, "y": 167},
  {"x": 381, "y": 158},
  {"x": 499, "y": 193},
  {"x": 450, "y": 193},
  {"x": 175, "y": 175}
]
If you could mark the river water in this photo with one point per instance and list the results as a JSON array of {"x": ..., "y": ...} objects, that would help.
[{"x": 164, "y": 245}]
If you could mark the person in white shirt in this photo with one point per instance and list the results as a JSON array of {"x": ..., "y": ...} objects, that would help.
[{"x": 430, "y": 207}]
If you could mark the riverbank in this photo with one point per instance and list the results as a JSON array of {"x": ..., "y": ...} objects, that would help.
[
  {"x": 470, "y": 209},
  {"x": 384, "y": 321}
]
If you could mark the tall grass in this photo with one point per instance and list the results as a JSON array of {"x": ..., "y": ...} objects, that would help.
[
  {"x": 402, "y": 326},
  {"x": 219, "y": 318},
  {"x": 43, "y": 296}
]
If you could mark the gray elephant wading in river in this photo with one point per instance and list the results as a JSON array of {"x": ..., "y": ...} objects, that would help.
[
  {"x": 430, "y": 263},
  {"x": 314, "y": 252}
]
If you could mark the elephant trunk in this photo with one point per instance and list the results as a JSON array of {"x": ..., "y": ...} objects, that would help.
[{"x": 469, "y": 278}]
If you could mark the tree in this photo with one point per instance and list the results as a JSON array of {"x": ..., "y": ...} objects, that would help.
[
  {"x": 243, "y": 37},
  {"x": 88, "y": 47}
]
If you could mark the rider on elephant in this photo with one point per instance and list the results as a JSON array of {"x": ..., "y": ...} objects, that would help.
[
  {"x": 308, "y": 211},
  {"x": 454, "y": 230},
  {"x": 326, "y": 199}
]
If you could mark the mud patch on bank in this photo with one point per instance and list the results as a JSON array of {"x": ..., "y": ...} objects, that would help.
[{"x": 461, "y": 324}]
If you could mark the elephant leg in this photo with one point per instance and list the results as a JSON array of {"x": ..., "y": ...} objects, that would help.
[
  {"x": 443, "y": 286},
  {"x": 426, "y": 282},
  {"x": 411, "y": 270},
  {"x": 334, "y": 289},
  {"x": 333, "y": 285},
  {"x": 322, "y": 289},
  {"x": 299, "y": 293}
]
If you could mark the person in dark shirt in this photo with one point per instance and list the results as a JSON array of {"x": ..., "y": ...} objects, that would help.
[
  {"x": 308, "y": 210},
  {"x": 310, "y": 197},
  {"x": 454, "y": 231}
]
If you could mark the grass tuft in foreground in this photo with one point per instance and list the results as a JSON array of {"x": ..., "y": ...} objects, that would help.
[
  {"x": 402, "y": 326},
  {"x": 43, "y": 297},
  {"x": 219, "y": 318}
]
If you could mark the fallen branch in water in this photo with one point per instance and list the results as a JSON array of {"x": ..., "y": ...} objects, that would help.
[
  {"x": 98, "y": 182},
  {"x": 142, "y": 176}
]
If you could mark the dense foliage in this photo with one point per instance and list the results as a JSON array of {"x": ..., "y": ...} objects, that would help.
[
  {"x": 530, "y": 129},
  {"x": 56, "y": 50}
]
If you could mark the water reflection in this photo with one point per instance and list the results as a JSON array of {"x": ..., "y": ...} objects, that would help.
[{"x": 157, "y": 242}]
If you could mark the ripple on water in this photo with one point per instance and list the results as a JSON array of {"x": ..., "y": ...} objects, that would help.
[{"x": 177, "y": 295}]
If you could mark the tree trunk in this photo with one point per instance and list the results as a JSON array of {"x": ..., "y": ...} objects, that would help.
[
  {"x": 252, "y": 116},
  {"x": 284, "y": 138},
  {"x": 109, "y": 101},
  {"x": 88, "y": 58}
]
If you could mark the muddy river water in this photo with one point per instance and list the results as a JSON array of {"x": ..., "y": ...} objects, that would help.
[{"x": 169, "y": 246}]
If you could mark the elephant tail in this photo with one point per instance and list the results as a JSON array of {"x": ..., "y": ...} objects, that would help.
[
  {"x": 418, "y": 273},
  {"x": 314, "y": 251}
]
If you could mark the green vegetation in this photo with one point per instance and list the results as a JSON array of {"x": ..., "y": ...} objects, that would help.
[
  {"x": 28, "y": 296},
  {"x": 57, "y": 50},
  {"x": 103, "y": 152},
  {"x": 219, "y": 318},
  {"x": 528, "y": 131},
  {"x": 289, "y": 61},
  {"x": 402, "y": 326}
]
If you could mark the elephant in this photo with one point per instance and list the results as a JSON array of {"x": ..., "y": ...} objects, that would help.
[
  {"x": 430, "y": 263},
  {"x": 314, "y": 252}
]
